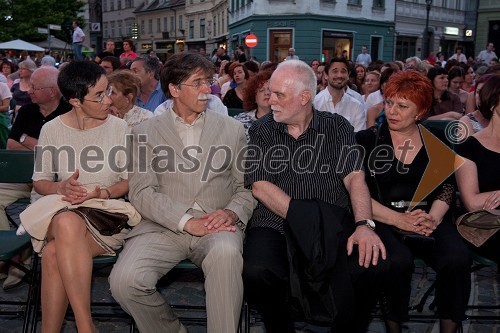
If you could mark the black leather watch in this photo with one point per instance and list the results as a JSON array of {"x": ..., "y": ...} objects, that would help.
[{"x": 369, "y": 223}]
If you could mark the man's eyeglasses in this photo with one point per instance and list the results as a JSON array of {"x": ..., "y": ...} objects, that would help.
[
  {"x": 198, "y": 83},
  {"x": 100, "y": 97}
]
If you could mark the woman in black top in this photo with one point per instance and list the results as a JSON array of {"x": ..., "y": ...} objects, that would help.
[
  {"x": 397, "y": 157},
  {"x": 234, "y": 97},
  {"x": 478, "y": 178}
]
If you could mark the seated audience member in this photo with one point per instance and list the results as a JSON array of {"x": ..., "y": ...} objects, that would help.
[
  {"x": 186, "y": 215},
  {"x": 456, "y": 77},
  {"x": 478, "y": 179},
  {"x": 414, "y": 63},
  {"x": 322, "y": 81},
  {"x": 148, "y": 69},
  {"x": 408, "y": 97},
  {"x": 20, "y": 88},
  {"x": 445, "y": 105},
  {"x": 477, "y": 120},
  {"x": 72, "y": 235},
  {"x": 360, "y": 76},
  {"x": 252, "y": 68},
  {"x": 335, "y": 98},
  {"x": 125, "y": 87},
  {"x": 5, "y": 97},
  {"x": 256, "y": 100},
  {"x": 291, "y": 200},
  {"x": 7, "y": 69},
  {"x": 468, "y": 84},
  {"x": 376, "y": 114},
  {"x": 239, "y": 75},
  {"x": 371, "y": 85},
  {"x": 46, "y": 105},
  {"x": 110, "y": 64}
]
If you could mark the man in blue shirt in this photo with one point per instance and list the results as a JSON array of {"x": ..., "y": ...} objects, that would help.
[{"x": 148, "y": 70}]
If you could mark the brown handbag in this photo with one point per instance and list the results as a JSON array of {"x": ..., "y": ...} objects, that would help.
[{"x": 105, "y": 222}]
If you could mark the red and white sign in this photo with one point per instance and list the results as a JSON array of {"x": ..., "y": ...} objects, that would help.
[{"x": 251, "y": 41}]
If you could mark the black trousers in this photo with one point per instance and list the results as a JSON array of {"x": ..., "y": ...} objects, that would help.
[
  {"x": 266, "y": 276},
  {"x": 448, "y": 257}
]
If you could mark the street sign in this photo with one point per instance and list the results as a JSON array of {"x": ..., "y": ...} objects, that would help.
[
  {"x": 54, "y": 27},
  {"x": 42, "y": 30},
  {"x": 251, "y": 41},
  {"x": 95, "y": 26}
]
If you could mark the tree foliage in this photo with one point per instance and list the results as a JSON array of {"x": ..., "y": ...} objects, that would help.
[{"x": 21, "y": 18}]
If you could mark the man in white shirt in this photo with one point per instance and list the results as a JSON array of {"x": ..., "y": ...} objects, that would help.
[
  {"x": 78, "y": 38},
  {"x": 364, "y": 58},
  {"x": 485, "y": 56},
  {"x": 335, "y": 99}
]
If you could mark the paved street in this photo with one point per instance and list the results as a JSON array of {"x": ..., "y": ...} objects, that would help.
[{"x": 186, "y": 287}]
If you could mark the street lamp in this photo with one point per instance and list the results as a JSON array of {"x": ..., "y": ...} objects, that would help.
[{"x": 427, "y": 39}]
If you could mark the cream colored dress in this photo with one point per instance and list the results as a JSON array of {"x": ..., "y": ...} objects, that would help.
[{"x": 98, "y": 153}]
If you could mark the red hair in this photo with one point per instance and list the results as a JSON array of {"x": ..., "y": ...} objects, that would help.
[{"x": 413, "y": 86}]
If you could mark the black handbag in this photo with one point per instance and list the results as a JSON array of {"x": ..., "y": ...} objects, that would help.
[{"x": 105, "y": 222}]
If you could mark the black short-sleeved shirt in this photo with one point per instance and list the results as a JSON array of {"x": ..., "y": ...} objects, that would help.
[
  {"x": 311, "y": 166},
  {"x": 487, "y": 162},
  {"x": 30, "y": 120}
]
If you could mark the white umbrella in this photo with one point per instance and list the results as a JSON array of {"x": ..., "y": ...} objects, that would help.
[{"x": 19, "y": 44}]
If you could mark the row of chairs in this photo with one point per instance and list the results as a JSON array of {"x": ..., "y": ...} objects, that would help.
[{"x": 17, "y": 167}]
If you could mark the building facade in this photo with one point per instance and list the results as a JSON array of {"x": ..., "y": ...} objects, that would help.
[
  {"x": 449, "y": 23},
  {"x": 316, "y": 29},
  {"x": 488, "y": 27},
  {"x": 161, "y": 27}
]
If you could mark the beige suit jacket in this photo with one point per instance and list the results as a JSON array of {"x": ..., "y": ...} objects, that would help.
[{"x": 166, "y": 181}]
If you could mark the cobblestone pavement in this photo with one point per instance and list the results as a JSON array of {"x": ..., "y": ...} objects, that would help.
[{"x": 186, "y": 287}]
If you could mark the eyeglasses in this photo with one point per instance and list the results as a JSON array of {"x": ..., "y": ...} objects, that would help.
[
  {"x": 100, "y": 97},
  {"x": 37, "y": 89},
  {"x": 198, "y": 83}
]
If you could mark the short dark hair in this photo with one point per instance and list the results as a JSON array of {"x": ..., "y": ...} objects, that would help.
[
  {"x": 489, "y": 96},
  {"x": 435, "y": 71},
  {"x": 77, "y": 77},
  {"x": 115, "y": 62},
  {"x": 338, "y": 59},
  {"x": 251, "y": 66},
  {"x": 181, "y": 66},
  {"x": 456, "y": 71}
]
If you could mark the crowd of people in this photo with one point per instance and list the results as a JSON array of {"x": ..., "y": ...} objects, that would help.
[{"x": 276, "y": 205}]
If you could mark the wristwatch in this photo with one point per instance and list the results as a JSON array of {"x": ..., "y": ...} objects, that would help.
[
  {"x": 369, "y": 223},
  {"x": 23, "y": 137}
]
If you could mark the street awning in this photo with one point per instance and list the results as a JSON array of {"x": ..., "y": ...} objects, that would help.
[{"x": 19, "y": 44}]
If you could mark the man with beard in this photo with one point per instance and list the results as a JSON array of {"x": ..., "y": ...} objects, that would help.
[
  {"x": 187, "y": 183},
  {"x": 334, "y": 99}
]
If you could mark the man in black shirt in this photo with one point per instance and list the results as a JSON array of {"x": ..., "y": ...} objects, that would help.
[{"x": 298, "y": 153}]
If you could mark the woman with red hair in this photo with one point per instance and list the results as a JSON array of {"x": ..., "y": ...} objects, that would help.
[
  {"x": 239, "y": 75},
  {"x": 410, "y": 226}
]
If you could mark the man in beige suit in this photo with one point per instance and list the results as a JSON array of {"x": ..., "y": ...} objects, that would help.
[{"x": 187, "y": 183}]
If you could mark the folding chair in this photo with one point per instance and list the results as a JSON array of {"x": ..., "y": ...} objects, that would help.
[{"x": 17, "y": 167}]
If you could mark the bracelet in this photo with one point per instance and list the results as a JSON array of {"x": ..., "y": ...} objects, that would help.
[{"x": 108, "y": 192}]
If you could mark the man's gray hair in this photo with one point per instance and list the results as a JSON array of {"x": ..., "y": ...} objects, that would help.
[
  {"x": 305, "y": 77},
  {"x": 151, "y": 64}
]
